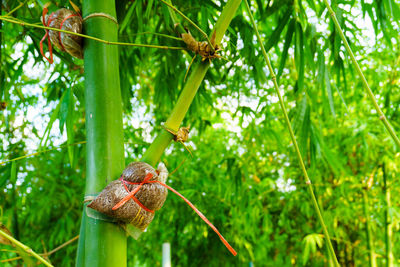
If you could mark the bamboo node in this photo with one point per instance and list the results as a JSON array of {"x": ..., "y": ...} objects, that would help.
[
  {"x": 88, "y": 198},
  {"x": 100, "y": 14}
]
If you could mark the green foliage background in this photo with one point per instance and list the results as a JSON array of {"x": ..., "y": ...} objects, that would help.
[{"x": 244, "y": 175}]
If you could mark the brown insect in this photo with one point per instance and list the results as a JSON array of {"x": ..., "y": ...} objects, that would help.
[
  {"x": 202, "y": 48},
  {"x": 181, "y": 136}
]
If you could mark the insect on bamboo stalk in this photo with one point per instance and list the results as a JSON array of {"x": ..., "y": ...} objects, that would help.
[{"x": 293, "y": 138}]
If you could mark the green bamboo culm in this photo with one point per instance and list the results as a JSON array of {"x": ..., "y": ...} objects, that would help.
[
  {"x": 156, "y": 149},
  {"x": 371, "y": 96},
  {"x": 388, "y": 220},
  {"x": 303, "y": 168},
  {"x": 102, "y": 243},
  {"x": 370, "y": 241}
]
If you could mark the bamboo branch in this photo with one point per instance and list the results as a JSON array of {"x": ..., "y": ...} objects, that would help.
[
  {"x": 25, "y": 248},
  {"x": 154, "y": 33},
  {"x": 40, "y": 152},
  {"x": 371, "y": 96},
  {"x": 61, "y": 246},
  {"x": 156, "y": 149},
  {"x": 45, "y": 254},
  {"x": 22, "y": 23},
  {"x": 303, "y": 168}
]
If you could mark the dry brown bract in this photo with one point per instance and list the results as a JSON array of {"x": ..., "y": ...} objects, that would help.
[
  {"x": 3, "y": 105},
  {"x": 202, "y": 48}
]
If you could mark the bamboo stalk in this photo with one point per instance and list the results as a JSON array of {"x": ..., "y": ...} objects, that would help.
[
  {"x": 303, "y": 168},
  {"x": 371, "y": 96},
  {"x": 25, "y": 248},
  {"x": 102, "y": 243},
  {"x": 388, "y": 221},
  {"x": 370, "y": 242},
  {"x": 161, "y": 142}
]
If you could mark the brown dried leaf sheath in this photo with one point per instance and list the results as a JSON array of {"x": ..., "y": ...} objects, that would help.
[
  {"x": 71, "y": 43},
  {"x": 151, "y": 196}
]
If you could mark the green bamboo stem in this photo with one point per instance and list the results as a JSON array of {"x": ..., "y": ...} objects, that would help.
[
  {"x": 303, "y": 168},
  {"x": 370, "y": 242},
  {"x": 371, "y": 96},
  {"x": 102, "y": 243},
  {"x": 157, "y": 34},
  {"x": 388, "y": 221},
  {"x": 161, "y": 142},
  {"x": 191, "y": 22},
  {"x": 22, "y": 23},
  {"x": 25, "y": 248}
]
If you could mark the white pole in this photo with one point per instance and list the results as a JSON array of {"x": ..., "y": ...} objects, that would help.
[{"x": 166, "y": 255}]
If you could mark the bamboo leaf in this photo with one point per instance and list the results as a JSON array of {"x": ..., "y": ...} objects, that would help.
[
  {"x": 275, "y": 36},
  {"x": 139, "y": 12},
  {"x": 13, "y": 174},
  {"x": 127, "y": 17},
  {"x": 299, "y": 56},
  {"x": 329, "y": 93},
  {"x": 70, "y": 126},
  {"x": 63, "y": 114},
  {"x": 53, "y": 118},
  {"x": 149, "y": 8},
  {"x": 288, "y": 41}
]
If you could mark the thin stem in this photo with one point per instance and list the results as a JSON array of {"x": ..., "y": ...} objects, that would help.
[
  {"x": 60, "y": 246},
  {"x": 155, "y": 33},
  {"x": 370, "y": 242},
  {"x": 191, "y": 22},
  {"x": 371, "y": 96},
  {"x": 89, "y": 37},
  {"x": 303, "y": 168},
  {"x": 40, "y": 152},
  {"x": 25, "y": 248},
  {"x": 388, "y": 220},
  {"x": 46, "y": 254}
]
